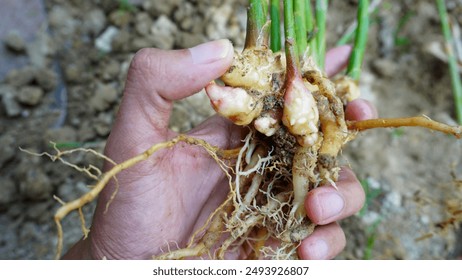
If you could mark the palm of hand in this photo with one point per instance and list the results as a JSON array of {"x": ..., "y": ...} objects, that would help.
[{"x": 166, "y": 198}]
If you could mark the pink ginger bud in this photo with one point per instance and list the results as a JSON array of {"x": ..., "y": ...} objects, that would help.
[{"x": 300, "y": 114}]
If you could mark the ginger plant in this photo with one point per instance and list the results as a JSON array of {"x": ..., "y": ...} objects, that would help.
[{"x": 297, "y": 127}]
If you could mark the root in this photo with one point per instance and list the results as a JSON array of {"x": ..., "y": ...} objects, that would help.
[
  {"x": 304, "y": 177},
  {"x": 209, "y": 239},
  {"x": 103, "y": 179},
  {"x": 420, "y": 121}
]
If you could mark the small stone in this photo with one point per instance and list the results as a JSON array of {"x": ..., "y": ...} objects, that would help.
[
  {"x": 14, "y": 42},
  {"x": 393, "y": 200},
  {"x": 120, "y": 18},
  {"x": 110, "y": 70},
  {"x": 20, "y": 77},
  {"x": 140, "y": 42},
  {"x": 143, "y": 23},
  {"x": 71, "y": 190},
  {"x": 30, "y": 95},
  {"x": 384, "y": 67},
  {"x": 185, "y": 15},
  {"x": 188, "y": 40},
  {"x": 62, "y": 20},
  {"x": 94, "y": 21},
  {"x": 7, "y": 191},
  {"x": 39, "y": 211},
  {"x": 217, "y": 26},
  {"x": 156, "y": 8},
  {"x": 35, "y": 185},
  {"x": 7, "y": 148},
  {"x": 9, "y": 103},
  {"x": 72, "y": 73},
  {"x": 103, "y": 124},
  {"x": 104, "y": 41},
  {"x": 162, "y": 31},
  {"x": 104, "y": 97},
  {"x": 121, "y": 41},
  {"x": 46, "y": 78},
  {"x": 41, "y": 50},
  {"x": 86, "y": 132}
]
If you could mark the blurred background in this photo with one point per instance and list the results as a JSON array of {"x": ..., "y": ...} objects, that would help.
[{"x": 62, "y": 69}]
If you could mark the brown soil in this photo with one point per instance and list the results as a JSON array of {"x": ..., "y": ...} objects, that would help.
[{"x": 68, "y": 91}]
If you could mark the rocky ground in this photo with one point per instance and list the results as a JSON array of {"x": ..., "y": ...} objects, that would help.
[{"x": 62, "y": 69}]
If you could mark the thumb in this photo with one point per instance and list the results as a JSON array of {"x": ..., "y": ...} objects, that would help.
[{"x": 158, "y": 77}]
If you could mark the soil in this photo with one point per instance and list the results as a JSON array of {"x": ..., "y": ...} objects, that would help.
[{"x": 62, "y": 71}]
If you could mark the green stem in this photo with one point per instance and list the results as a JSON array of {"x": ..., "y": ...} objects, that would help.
[
  {"x": 309, "y": 23},
  {"x": 309, "y": 19},
  {"x": 300, "y": 26},
  {"x": 351, "y": 30},
  {"x": 357, "y": 55},
  {"x": 291, "y": 43},
  {"x": 264, "y": 6},
  {"x": 455, "y": 76},
  {"x": 256, "y": 19},
  {"x": 275, "y": 13},
  {"x": 320, "y": 13}
]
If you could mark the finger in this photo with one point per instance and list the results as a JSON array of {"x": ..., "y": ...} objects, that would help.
[
  {"x": 158, "y": 77},
  {"x": 327, "y": 204},
  {"x": 360, "y": 109},
  {"x": 324, "y": 243},
  {"x": 337, "y": 59}
]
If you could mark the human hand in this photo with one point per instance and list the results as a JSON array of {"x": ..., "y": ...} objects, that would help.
[{"x": 167, "y": 197}]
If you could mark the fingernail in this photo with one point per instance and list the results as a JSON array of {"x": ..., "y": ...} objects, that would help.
[
  {"x": 318, "y": 250},
  {"x": 331, "y": 204},
  {"x": 211, "y": 51}
]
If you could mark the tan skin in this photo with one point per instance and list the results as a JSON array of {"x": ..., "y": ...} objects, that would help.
[{"x": 167, "y": 197}]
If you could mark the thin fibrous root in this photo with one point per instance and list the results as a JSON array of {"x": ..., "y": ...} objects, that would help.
[
  {"x": 208, "y": 240},
  {"x": 91, "y": 171},
  {"x": 420, "y": 121},
  {"x": 104, "y": 179},
  {"x": 241, "y": 230}
]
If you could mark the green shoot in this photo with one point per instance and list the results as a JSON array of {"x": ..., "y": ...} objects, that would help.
[
  {"x": 289, "y": 32},
  {"x": 371, "y": 194},
  {"x": 275, "y": 11},
  {"x": 300, "y": 26},
  {"x": 257, "y": 13},
  {"x": 397, "y": 132},
  {"x": 356, "y": 58},
  {"x": 309, "y": 19},
  {"x": 256, "y": 19},
  {"x": 310, "y": 27},
  {"x": 321, "y": 15},
  {"x": 400, "y": 40},
  {"x": 371, "y": 232},
  {"x": 126, "y": 6},
  {"x": 349, "y": 34},
  {"x": 455, "y": 76}
]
